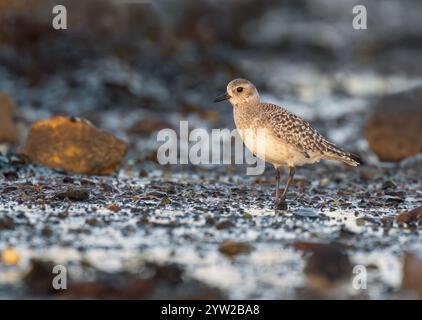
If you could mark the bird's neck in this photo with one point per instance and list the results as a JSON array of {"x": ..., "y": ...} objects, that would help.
[
  {"x": 247, "y": 104},
  {"x": 242, "y": 113}
]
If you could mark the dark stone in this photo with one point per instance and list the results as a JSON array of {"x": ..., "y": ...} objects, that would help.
[
  {"x": 394, "y": 128},
  {"x": 73, "y": 194}
]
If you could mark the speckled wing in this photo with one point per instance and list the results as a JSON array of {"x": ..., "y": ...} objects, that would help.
[{"x": 294, "y": 130}]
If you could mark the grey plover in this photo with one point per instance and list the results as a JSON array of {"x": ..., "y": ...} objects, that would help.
[{"x": 277, "y": 136}]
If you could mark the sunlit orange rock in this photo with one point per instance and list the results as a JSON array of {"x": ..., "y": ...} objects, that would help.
[
  {"x": 73, "y": 145},
  {"x": 9, "y": 256},
  {"x": 8, "y": 130},
  {"x": 148, "y": 126}
]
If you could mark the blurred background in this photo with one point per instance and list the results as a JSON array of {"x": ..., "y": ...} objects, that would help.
[{"x": 134, "y": 67}]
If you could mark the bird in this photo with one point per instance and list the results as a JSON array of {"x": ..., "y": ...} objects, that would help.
[{"x": 278, "y": 136}]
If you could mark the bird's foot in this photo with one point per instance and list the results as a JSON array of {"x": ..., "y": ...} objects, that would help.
[{"x": 280, "y": 205}]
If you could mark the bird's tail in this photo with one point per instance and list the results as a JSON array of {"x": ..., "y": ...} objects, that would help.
[{"x": 335, "y": 153}]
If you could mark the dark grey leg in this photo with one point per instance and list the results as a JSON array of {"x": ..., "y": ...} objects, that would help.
[
  {"x": 289, "y": 181},
  {"x": 279, "y": 204},
  {"x": 277, "y": 183}
]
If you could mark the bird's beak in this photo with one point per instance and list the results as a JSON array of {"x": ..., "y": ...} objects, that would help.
[{"x": 222, "y": 97}]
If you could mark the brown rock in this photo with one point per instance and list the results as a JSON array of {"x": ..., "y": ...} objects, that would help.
[
  {"x": 225, "y": 224},
  {"x": 403, "y": 217},
  {"x": 73, "y": 194},
  {"x": 6, "y": 223},
  {"x": 307, "y": 245},
  {"x": 411, "y": 216},
  {"x": 113, "y": 207},
  {"x": 165, "y": 201},
  {"x": 394, "y": 129},
  {"x": 208, "y": 115},
  {"x": 327, "y": 267},
  {"x": 8, "y": 130},
  {"x": 416, "y": 214},
  {"x": 162, "y": 282},
  {"x": 148, "y": 126},
  {"x": 73, "y": 145},
  {"x": 232, "y": 248},
  {"x": 412, "y": 276},
  {"x": 40, "y": 277}
]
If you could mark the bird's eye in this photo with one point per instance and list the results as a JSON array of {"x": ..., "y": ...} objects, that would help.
[{"x": 239, "y": 89}]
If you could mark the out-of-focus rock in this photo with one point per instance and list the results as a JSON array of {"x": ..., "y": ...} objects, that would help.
[
  {"x": 403, "y": 217},
  {"x": 11, "y": 175},
  {"x": 327, "y": 263},
  {"x": 73, "y": 145},
  {"x": 327, "y": 267},
  {"x": 225, "y": 224},
  {"x": 10, "y": 256},
  {"x": 211, "y": 116},
  {"x": 113, "y": 207},
  {"x": 39, "y": 278},
  {"x": 7, "y": 223},
  {"x": 410, "y": 216},
  {"x": 148, "y": 126},
  {"x": 12, "y": 4},
  {"x": 232, "y": 248},
  {"x": 162, "y": 282},
  {"x": 394, "y": 128},
  {"x": 307, "y": 245},
  {"x": 73, "y": 194},
  {"x": 9, "y": 132},
  {"x": 412, "y": 276}
]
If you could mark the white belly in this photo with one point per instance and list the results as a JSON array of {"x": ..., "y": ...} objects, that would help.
[{"x": 263, "y": 144}]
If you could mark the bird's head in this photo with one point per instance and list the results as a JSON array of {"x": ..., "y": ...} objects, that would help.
[{"x": 240, "y": 92}]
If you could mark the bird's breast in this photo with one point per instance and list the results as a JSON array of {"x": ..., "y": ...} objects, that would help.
[{"x": 263, "y": 144}]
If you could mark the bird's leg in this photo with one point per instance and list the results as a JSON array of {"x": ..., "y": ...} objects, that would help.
[
  {"x": 279, "y": 204},
  {"x": 289, "y": 181},
  {"x": 277, "y": 183}
]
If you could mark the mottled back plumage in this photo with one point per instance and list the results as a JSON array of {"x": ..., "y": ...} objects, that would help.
[{"x": 299, "y": 133}]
